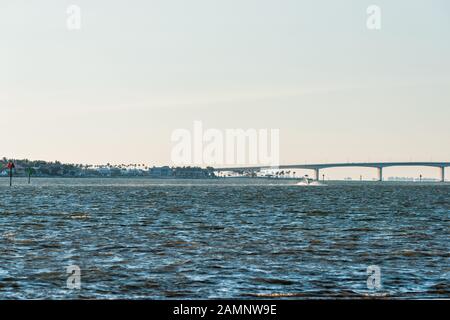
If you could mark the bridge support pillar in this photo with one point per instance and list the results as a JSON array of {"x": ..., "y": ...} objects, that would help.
[
  {"x": 316, "y": 174},
  {"x": 380, "y": 174},
  {"x": 442, "y": 170}
]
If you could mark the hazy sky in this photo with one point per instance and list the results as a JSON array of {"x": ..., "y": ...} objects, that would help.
[{"x": 115, "y": 90}]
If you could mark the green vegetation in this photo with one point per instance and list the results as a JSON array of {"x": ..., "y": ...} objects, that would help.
[{"x": 39, "y": 168}]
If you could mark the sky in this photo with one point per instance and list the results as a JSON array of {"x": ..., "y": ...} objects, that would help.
[{"x": 116, "y": 89}]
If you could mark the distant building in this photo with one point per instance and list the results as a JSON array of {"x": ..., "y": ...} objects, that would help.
[
  {"x": 193, "y": 173},
  {"x": 181, "y": 172},
  {"x": 104, "y": 171},
  {"x": 133, "y": 172},
  {"x": 161, "y": 172}
]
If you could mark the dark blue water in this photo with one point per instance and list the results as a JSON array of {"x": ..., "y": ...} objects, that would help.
[{"x": 223, "y": 239}]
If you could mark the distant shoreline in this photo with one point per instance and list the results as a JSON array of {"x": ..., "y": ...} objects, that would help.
[{"x": 219, "y": 178}]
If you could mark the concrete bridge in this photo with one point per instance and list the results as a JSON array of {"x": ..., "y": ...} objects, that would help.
[{"x": 377, "y": 165}]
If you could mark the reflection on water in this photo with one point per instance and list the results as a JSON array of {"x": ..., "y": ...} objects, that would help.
[{"x": 229, "y": 239}]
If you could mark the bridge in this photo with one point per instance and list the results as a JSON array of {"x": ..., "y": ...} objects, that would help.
[{"x": 377, "y": 165}]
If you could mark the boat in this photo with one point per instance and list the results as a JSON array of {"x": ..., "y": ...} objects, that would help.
[{"x": 307, "y": 181}]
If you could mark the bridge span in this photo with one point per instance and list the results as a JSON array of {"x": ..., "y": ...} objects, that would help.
[{"x": 317, "y": 167}]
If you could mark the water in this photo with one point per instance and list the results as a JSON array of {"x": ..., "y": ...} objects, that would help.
[{"x": 153, "y": 239}]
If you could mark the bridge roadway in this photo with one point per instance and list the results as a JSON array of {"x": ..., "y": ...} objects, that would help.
[{"x": 316, "y": 167}]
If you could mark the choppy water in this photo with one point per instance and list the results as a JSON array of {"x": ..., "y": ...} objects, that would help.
[{"x": 222, "y": 239}]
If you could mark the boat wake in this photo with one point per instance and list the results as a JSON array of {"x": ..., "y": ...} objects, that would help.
[{"x": 310, "y": 184}]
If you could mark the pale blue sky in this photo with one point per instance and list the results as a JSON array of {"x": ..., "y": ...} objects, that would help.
[{"x": 116, "y": 89}]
